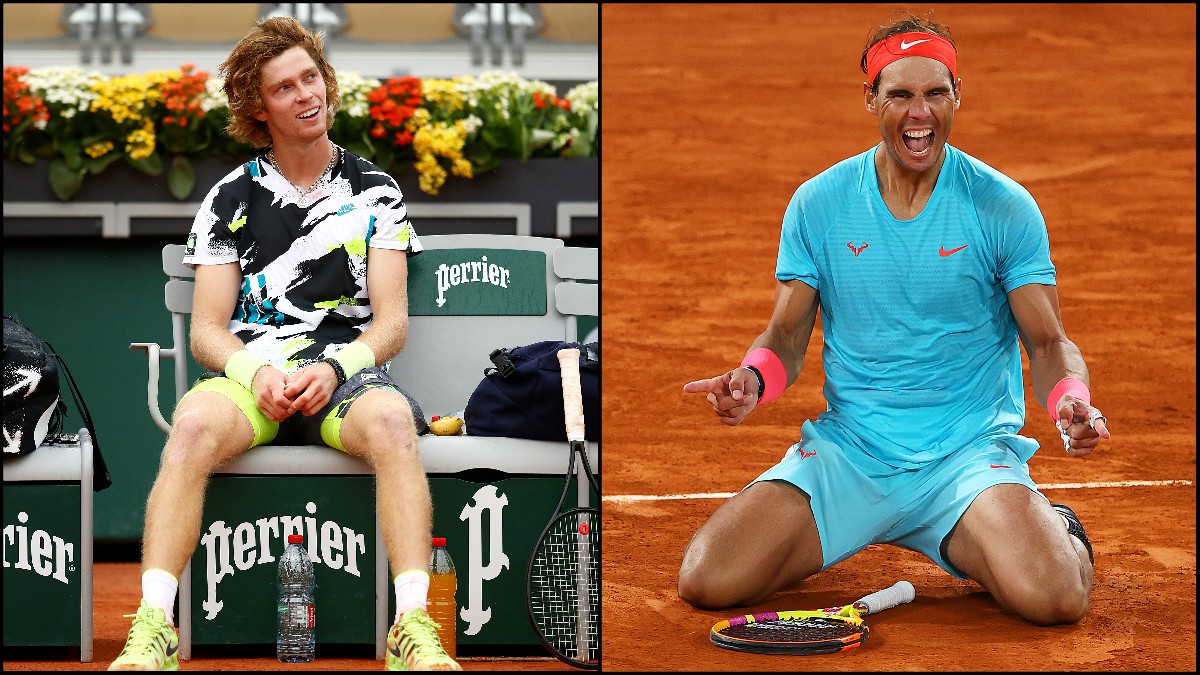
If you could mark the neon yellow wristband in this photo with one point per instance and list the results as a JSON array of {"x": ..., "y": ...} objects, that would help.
[
  {"x": 242, "y": 366},
  {"x": 354, "y": 357}
]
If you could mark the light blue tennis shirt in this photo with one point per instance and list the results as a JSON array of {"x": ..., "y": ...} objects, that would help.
[{"x": 921, "y": 353}]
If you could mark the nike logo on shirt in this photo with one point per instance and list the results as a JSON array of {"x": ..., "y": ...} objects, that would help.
[
  {"x": 942, "y": 250},
  {"x": 906, "y": 45}
]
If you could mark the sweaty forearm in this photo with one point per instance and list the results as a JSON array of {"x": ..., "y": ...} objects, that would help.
[
  {"x": 385, "y": 337},
  {"x": 213, "y": 345},
  {"x": 789, "y": 344},
  {"x": 1050, "y": 363}
]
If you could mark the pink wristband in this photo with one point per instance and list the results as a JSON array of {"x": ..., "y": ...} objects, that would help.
[
  {"x": 1067, "y": 385},
  {"x": 773, "y": 374}
]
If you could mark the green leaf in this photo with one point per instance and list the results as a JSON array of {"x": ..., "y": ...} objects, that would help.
[
  {"x": 480, "y": 167},
  {"x": 539, "y": 138},
  {"x": 593, "y": 124},
  {"x": 580, "y": 147},
  {"x": 71, "y": 151},
  {"x": 492, "y": 140},
  {"x": 151, "y": 165},
  {"x": 520, "y": 135},
  {"x": 481, "y": 155},
  {"x": 181, "y": 179},
  {"x": 361, "y": 146},
  {"x": 45, "y": 151},
  {"x": 97, "y": 165},
  {"x": 65, "y": 181}
]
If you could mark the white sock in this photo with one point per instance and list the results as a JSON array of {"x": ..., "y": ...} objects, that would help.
[
  {"x": 412, "y": 591},
  {"x": 158, "y": 590}
]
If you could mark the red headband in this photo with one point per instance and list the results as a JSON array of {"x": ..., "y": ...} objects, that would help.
[{"x": 903, "y": 45}]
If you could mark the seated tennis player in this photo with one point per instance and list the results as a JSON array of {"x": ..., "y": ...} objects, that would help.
[
  {"x": 301, "y": 260},
  {"x": 927, "y": 266}
]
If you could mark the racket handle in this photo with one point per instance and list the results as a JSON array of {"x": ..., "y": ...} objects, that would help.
[
  {"x": 897, "y": 594},
  {"x": 568, "y": 363}
]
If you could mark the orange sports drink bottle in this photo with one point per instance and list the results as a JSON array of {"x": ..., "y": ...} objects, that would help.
[{"x": 443, "y": 583}]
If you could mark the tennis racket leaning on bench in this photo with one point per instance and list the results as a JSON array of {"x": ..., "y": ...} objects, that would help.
[
  {"x": 822, "y": 631},
  {"x": 563, "y": 579}
]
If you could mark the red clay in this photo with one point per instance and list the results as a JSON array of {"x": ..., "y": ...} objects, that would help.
[{"x": 714, "y": 115}]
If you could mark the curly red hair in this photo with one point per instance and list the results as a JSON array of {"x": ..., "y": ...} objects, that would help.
[{"x": 243, "y": 75}]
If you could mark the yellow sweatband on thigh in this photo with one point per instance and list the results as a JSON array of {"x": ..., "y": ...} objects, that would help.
[
  {"x": 265, "y": 429},
  {"x": 331, "y": 426},
  {"x": 331, "y": 431},
  {"x": 242, "y": 366},
  {"x": 354, "y": 357}
]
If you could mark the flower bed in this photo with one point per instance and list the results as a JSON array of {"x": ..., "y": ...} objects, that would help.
[{"x": 159, "y": 121}]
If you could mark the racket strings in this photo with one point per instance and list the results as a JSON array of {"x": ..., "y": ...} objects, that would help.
[
  {"x": 565, "y": 585},
  {"x": 813, "y": 629}
]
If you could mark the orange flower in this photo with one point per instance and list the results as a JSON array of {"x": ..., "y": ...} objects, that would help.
[{"x": 393, "y": 104}]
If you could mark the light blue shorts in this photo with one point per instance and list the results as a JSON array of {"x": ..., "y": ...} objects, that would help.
[{"x": 858, "y": 500}]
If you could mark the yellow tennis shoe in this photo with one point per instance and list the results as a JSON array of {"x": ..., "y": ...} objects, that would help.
[
  {"x": 152, "y": 643},
  {"x": 413, "y": 644}
]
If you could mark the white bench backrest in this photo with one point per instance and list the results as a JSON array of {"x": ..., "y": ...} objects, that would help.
[{"x": 494, "y": 291}]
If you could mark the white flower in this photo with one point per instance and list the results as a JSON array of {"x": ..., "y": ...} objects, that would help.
[
  {"x": 584, "y": 97},
  {"x": 214, "y": 95},
  {"x": 561, "y": 139},
  {"x": 65, "y": 89},
  {"x": 354, "y": 89}
]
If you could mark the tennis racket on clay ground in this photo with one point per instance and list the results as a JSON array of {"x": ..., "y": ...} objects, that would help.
[
  {"x": 824, "y": 631},
  {"x": 563, "y": 578}
]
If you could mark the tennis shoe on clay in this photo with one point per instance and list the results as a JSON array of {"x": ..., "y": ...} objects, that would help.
[
  {"x": 152, "y": 642},
  {"x": 413, "y": 644},
  {"x": 1074, "y": 527}
]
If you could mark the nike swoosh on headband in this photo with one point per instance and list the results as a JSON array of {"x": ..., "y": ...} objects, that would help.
[{"x": 906, "y": 45}]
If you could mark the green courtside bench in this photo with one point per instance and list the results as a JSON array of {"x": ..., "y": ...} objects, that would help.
[
  {"x": 48, "y": 546},
  {"x": 468, "y": 295}
]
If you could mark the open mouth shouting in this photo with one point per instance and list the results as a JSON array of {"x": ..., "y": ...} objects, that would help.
[{"x": 918, "y": 142}]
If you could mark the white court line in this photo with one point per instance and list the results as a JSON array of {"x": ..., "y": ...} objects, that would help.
[{"x": 621, "y": 499}]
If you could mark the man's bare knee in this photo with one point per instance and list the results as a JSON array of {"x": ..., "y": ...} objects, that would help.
[
  {"x": 697, "y": 581},
  {"x": 1063, "y": 599},
  {"x": 694, "y": 590},
  {"x": 1047, "y": 594},
  {"x": 201, "y": 437},
  {"x": 736, "y": 559},
  {"x": 387, "y": 429}
]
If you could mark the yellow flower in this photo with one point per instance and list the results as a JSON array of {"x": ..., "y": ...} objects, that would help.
[
  {"x": 442, "y": 93},
  {"x": 140, "y": 142},
  {"x": 440, "y": 139},
  {"x": 126, "y": 97},
  {"x": 419, "y": 119},
  {"x": 99, "y": 149},
  {"x": 432, "y": 175}
]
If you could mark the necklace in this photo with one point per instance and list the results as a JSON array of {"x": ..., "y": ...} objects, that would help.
[{"x": 319, "y": 182}]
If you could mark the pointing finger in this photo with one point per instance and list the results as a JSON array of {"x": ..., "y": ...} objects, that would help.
[{"x": 700, "y": 386}]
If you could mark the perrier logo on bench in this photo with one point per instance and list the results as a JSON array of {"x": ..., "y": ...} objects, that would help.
[{"x": 477, "y": 282}]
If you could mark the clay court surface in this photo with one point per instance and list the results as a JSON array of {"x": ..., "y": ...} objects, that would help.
[{"x": 714, "y": 115}]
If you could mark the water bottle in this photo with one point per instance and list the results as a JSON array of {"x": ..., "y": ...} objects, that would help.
[
  {"x": 296, "y": 639},
  {"x": 443, "y": 583}
]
